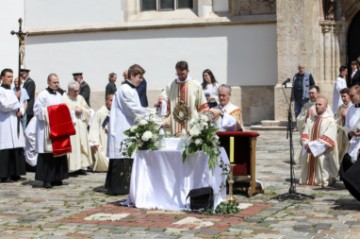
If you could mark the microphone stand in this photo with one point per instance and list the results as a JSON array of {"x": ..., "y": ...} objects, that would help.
[{"x": 292, "y": 194}]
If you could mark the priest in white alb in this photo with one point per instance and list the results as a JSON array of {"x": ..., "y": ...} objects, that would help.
[
  {"x": 12, "y": 160},
  {"x": 320, "y": 164},
  {"x": 80, "y": 157},
  {"x": 340, "y": 118},
  {"x": 125, "y": 108},
  {"x": 98, "y": 135},
  {"x": 185, "y": 99}
]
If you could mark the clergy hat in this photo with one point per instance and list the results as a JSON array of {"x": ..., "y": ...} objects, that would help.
[
  {"x": 77, "y": 74},
  {"x": 24, "y": 70}
]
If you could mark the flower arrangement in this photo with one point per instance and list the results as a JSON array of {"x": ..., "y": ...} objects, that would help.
[
  {"x": 203, "y": 137},
  {"x": 142, "y": 136}
]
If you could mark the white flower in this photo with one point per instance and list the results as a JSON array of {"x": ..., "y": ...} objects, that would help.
[
  {"x": 203, "y": 117},
  {"x": 146, "y": 136},
  {"x": 133, "y": 129},
  {"x": 194, "y": 131},
  {"x": 191, "y": 122},
  {"x": 143, "y": 122},
  {"x": 198, "y": 141}
]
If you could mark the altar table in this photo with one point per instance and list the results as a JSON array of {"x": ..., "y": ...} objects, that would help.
[{"x": 161, "y": 180}]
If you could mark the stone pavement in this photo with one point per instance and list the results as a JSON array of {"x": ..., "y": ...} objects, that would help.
[{"x": 29, "y": 211}]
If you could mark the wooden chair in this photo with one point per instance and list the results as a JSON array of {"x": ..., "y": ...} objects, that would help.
[{"x": 244, "y": 160}]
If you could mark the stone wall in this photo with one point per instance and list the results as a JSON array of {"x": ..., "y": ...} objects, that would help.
[
  {"x": 305, "y": 37},
  {"x": 252, "y": 7}
]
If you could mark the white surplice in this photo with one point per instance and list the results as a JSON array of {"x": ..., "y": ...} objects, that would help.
[
  {"x": 9, "y": 106},
  {"x": 340, "y": 84},
  {"x": 30, "y": 141},
  {"x": 352, "y": 123},
  {"x": 98, "y": 138},
  {"x": 44, "y": 100},
  {"x": 125, "y": 109},
  {"x": 80, "y": 157},
  {"x": 321, "y": 166}
]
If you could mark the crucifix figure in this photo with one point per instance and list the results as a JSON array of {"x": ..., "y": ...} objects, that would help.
[{"x": 22, "y": 37}]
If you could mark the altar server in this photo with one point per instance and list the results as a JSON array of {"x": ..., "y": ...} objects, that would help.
[
  {"x": 49, "y": 169},
  {"x": 80, "y": 157},
  {"x": 350, "y": 166},
  {"x": 98, "y": 135},
  {"x": 125, "y": 108},
  {"x": 12, "y": 160},
  {"x": 320, "y": 162}
]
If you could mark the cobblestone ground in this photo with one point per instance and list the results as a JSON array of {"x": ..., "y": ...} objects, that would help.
[{"x": 29, "y": 211}]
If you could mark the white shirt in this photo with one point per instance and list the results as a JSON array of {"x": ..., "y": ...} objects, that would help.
[{"x": 340, "y": 84}]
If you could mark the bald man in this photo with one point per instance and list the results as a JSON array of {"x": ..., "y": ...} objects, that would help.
[{"x": 320, "y": 164}]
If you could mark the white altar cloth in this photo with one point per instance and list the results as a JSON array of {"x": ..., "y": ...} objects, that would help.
[{"x": 161, "y": 180}]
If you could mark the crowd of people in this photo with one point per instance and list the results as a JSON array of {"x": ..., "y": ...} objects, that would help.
[
  {"x": 329, "y": 135},
  {"x": 36, "y": 132}
]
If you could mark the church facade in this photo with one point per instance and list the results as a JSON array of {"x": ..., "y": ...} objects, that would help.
[{"x": 252, "y": 45}]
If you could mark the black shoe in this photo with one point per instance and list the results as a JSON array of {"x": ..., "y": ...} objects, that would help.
[
  {"x": 15, "y": 178},
  {"x": 6, "y": 180},
  {"x": 82, "y": 172},
  {"x": 47, "y": 185},
  {"x": 57, "y": 183}
]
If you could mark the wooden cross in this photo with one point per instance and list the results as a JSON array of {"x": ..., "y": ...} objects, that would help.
[{"x": 21, "y": 36}]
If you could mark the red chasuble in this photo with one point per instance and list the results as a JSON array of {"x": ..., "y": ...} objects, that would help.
[{"x": 61, "y": 127}]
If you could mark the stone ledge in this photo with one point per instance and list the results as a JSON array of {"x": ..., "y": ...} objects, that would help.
[{"x": 261, "y": 127}]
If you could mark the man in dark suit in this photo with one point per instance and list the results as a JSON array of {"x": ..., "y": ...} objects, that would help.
[
  {"x": 30, "y": 87},
  {"x": 355, "y": 73},
  {"x": 84, "y": 87}
]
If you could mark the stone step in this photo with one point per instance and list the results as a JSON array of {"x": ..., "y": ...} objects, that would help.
[{"x": 262, "y": 127}]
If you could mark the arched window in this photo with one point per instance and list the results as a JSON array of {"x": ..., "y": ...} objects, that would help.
[{"x": 158, "y": 5}]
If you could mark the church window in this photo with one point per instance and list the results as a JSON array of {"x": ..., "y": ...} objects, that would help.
[{"x": 158, "y": 5}]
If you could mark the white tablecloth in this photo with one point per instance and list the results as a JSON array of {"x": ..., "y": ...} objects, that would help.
[{"x": 160, "y": 179}]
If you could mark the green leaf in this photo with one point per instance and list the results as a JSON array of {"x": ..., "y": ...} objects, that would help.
[{"x": 131, "y": 149}]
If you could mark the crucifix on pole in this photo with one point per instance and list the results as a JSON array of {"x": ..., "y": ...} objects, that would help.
[{"x": 21, "y": 36}]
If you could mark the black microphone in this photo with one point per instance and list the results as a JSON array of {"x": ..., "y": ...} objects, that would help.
[{"x": 287, "y": 81}]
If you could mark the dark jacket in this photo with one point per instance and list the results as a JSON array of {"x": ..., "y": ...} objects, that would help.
[
  {"x": 110, "y": 89},
  {"x": 85, "y": 91},
  {"x": 30, "y": 87},
  {"x": 355, "y": 80},
  {"x": 141, "y": 89}
]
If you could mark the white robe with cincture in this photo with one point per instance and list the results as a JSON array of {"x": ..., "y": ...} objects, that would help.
[
  {"x": 322, "y": 165},
  {"x": 125, "y": 109},
  {"x": 352, "y": 123},
  {"x": 80, "y": 157},
  {"x": 98, "y": 137},
  {"x": 9, "y": 105}
]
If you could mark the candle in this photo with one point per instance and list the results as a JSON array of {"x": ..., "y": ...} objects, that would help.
[{"x": 232, "y": 140}]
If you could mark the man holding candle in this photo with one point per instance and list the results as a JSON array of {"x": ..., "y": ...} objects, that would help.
[{"x": 227, "y": 116}]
